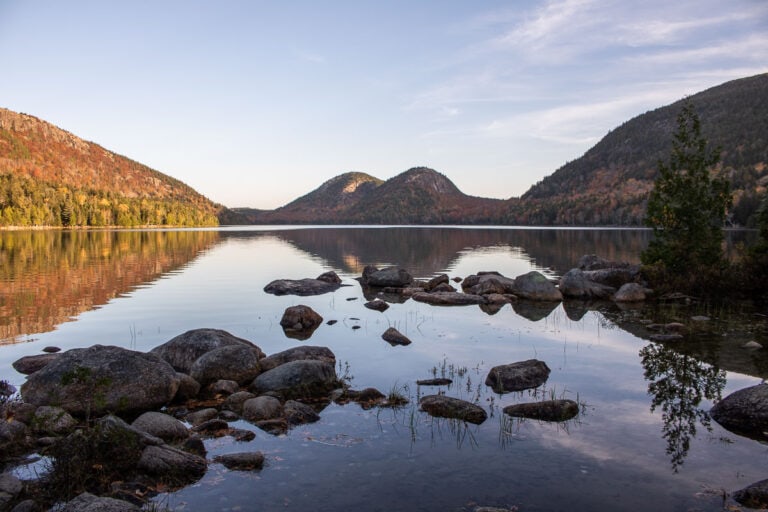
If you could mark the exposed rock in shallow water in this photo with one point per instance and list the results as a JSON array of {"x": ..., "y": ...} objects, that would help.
[
  {"x": 125, "y": 381},
  {"x": 161, "y": 425},
  {"x": 390, "y": 276},
  {"x": 448, "y": 298},
  {"x": 394, "y": 337},
  {"x": 377, "y": 305},
  {"x": 744, "y": 412},
  {"x": 631, "y": 292},
  {"x": 753, "y": 496},
  {"x": 434, "y": 382},
  {"x": 167, "y": 462},
  {"x": 300, "y": 322},
  {"x": 535, "y": 286},
  {"x": 239, "y": 363},
  {"x": 575, "y": 284},
  {"x": 87, "y": 502},
  {"x": 324, "y": 283},
  {"x": 303, "y": 352},
  {"x": 298, "y": 379},
  {"x": 183, "y": 350},
  {"x": 548, "y": 410},
  {"x": 517, "y": 376},
  {"x": 201, "y": 416},
  {"x": 443, "y": 406},
  {"x": 484, "y": 283},
  {"x": 435, "y": 282},
  {"x": 262, "y": 408},
  {"x": 297, "y": 413},
  {"x": 245, "y": 461}
]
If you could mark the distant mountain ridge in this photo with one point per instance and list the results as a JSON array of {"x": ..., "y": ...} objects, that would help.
[
  {"x": 50, "y": 177},
  {"x": 608, "y": 185},
  {"x": 417, "y": 196}
]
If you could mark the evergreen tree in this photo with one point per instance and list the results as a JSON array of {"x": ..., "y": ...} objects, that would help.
[{"x": 687, "y": 206}]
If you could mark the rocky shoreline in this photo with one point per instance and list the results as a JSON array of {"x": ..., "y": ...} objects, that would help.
[{"x": 153, "y": 411}]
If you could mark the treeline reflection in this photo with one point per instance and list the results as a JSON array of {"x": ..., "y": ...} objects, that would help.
[{"x": 48, "y": 277}]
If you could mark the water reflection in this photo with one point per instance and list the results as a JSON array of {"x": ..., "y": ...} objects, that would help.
[
  {"x": 50, "y": 277},
  {"x": 425, "y": 251},
  {"x": 677, "y": 384}
]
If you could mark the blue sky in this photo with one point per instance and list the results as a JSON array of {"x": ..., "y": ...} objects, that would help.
[{"x": 255, "y": 103}]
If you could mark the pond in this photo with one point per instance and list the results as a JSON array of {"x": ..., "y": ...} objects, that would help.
[{"x": 642, "y": 440}]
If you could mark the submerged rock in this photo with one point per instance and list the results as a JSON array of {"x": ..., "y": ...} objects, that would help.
[
  {"x": 443, "y": 406},
  {"x": 297, "y": 413},
  {"x": 517, "y": 376},
  {"x": 547, "y": 410},
  {"x": 744, "y": 412}
]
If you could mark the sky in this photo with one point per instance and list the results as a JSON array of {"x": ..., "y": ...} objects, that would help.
[{"x": 255, "y": 103}]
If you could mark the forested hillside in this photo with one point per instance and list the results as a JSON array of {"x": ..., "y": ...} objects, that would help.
[
  {"x": 50, "y": 177},
  {"x": 610, "y": 184}
]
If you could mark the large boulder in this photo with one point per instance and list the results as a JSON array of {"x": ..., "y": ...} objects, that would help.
[
  {"x": 535, "y": 286},
  {"x": 183, "y": 350},
  {"x": 390, "y": 276},
  {"x": 443, "y": 406},
  {"x": 575, "y": 284},
  {"x": 297, "y": 354},
  {"x": 239, "y": 363},
  {"x": 517, "y": 376},
  {"x": 324, "y": 283},
  {"x": 102, "y": 379},
  {"x": 744, "y": 412},
  {"x": 546, "y": 410},
  {"x": 298, "y": 379},
  {"x": 300, "y": 322}
]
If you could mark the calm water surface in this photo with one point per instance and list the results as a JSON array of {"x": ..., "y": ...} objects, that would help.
[{"x": 642, "y": 441}]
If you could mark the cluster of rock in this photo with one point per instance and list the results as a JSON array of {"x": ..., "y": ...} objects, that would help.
[{"x": 176, "y": 395}]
